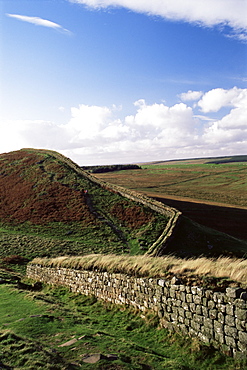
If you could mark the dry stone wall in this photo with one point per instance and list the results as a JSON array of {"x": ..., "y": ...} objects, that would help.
[
  {"x": 172, "y": 214},
  {"x": 215, "y": 318}
]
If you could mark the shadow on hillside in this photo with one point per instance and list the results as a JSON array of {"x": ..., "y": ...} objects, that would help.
[{"x": 231, "y": 221}]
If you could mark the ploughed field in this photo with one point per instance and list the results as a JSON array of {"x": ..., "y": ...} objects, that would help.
[{"x": 214, "y": 195}]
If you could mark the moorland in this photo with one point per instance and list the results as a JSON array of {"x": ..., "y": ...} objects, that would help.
[
  {"x": 210, "y": 191},
  {"x": 50, "y": 207}
]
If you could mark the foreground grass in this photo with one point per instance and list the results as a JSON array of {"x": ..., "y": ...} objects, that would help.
[
  {"x": 56, "y": 329},
  {"x": 224, "y": 267}
]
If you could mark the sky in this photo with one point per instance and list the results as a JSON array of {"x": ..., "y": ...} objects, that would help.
[{"x": 124, "y": 81}]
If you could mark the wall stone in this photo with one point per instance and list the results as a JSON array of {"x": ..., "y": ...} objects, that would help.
[
  {"x": 215, "y": 318},
  {"x": 171, "y": 213}
]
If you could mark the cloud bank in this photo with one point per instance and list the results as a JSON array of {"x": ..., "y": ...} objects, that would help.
[
  {"x": 96, "y": 135},
  {"x": 231, "y": 13},
  {"x": 38, "y": 22}
]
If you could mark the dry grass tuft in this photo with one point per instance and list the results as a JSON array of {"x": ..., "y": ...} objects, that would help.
[
  {"x": 232, "y": 268},
  {"x": 224, "y": 267}
]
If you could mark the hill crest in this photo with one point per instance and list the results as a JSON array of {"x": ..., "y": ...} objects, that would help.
[
  {"x": 44, "y": 193},
  {"x": 51, "y": 207}
]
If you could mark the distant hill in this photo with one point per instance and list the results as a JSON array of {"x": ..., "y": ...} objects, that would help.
[
  {"x": 110, "y": 168},
  {"x": 49, "y": 206},
  {"x": 209, "y": 160},
  {"x": 235, "y": 158}
]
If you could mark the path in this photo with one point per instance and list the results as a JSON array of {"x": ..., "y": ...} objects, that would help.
[{"x": 101, "y": 217}]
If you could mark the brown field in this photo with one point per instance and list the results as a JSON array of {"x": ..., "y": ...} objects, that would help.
[{"x": 212, "y": 195}]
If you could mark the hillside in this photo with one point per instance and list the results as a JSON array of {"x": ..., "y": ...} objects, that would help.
[
  {"x": 214, "y": 195},
  {"x": 223, "y": 183},
  {"x": 207, "y": 160},
  {"x": 51, "y": 207}
]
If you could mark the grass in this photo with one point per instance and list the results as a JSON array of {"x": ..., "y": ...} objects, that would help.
[
  {"x": 233, "y": 269},
  {"x": 225, "y": 183},
  {"x": 184, "y": 185},
  {"x": 194, "y": 240},
  {"x": 31, "y": 245},
  {"x": 46, "y": 212},
  {"x": 56, "y": 329},
  {"x": 34, "y": 325},
  {"x": 45, "y": 208}
]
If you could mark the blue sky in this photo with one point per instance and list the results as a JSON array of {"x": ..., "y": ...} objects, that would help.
[{"x": 124, "y": 81}]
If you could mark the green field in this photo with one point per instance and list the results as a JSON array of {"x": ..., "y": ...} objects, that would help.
[
  {"x": 221, "y": 183},
  {"x": 50, "y": 207},
  {"x": 56, "y": 329},
  {"x": 211, "y": 194}
]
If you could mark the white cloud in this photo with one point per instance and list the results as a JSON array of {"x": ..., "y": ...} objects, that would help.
[
  {"x": 230, "y": 130},
  {"x": 218, "y": 135},
  {"x": 216, "y": 99},
  {"x": 92, "y": 124},
  {"x": 94, "y": 131},
  {"x": 31, "y": 133},
  {"x": 191, "y": 95},
  {"x": 203, "y": 118},
  {"x": 38, "y": 22},
  {"x": 208, "y": 13},
  {"x": 96, "y": 135},
  {"x": 161, "y": 125}
]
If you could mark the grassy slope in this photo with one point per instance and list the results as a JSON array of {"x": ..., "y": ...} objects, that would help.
[
  {"x": 46, "y": 212},
  {"x": 36, "y": 324},
  {"x": 223, "y": 183},
  {"x": 32, "y": 342},
  {"x": 50, "y": 207},
  {"x": 194, "y": 240}
]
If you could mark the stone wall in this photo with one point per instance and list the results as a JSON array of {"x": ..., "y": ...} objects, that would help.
[
  {"x": 172, "y": 214},
  {"x": 215, "y": 318}
]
